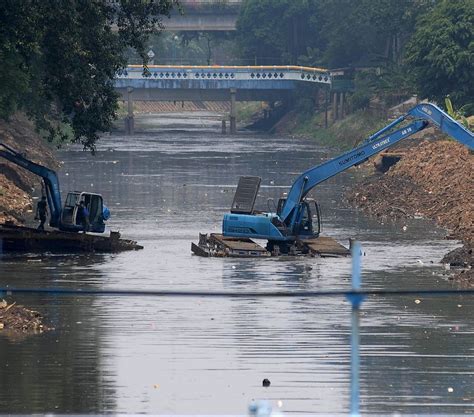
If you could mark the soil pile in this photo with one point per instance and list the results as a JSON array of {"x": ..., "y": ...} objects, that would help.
[
  {"x": 16, "y": 183},
  {"x": 18, "y": 319},
  {"x": 434, "y": 180}
]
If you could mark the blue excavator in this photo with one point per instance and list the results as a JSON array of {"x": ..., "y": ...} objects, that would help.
[
  {"x": 65, "y": 217},
  {"x": 291, "y": 229}
]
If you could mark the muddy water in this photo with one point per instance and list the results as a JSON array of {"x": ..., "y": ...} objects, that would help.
[{"x": 198, "y": 356}]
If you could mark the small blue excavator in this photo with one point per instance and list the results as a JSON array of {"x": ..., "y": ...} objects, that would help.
[
  {"x": 291, "y": 230},
  {"x": 62, "y": 218}
]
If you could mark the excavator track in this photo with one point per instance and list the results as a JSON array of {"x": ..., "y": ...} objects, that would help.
[{"x": 217, "y": 245}]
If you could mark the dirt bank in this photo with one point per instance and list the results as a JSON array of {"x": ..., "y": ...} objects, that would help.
[
  {"x": 17, "y": 184},
  {"x": 434, "y": 180}
]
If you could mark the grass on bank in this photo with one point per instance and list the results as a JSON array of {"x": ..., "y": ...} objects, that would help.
[
  {"x": 342, "y": 135},
  {"x": 249, "y": 111}
]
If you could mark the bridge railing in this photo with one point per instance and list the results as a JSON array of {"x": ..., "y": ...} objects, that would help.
[{"x": 238, "y": 73}]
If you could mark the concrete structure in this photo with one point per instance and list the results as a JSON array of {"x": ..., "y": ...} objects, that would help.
[
  {"x": 216, "y": 83},
  {"x": 204, "y": 22},
  {"x": 204, "y": 15}
]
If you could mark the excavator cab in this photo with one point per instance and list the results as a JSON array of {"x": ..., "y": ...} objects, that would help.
[
  {"x": 308, "y": 222},
  {"x": 94, "y": 204}
]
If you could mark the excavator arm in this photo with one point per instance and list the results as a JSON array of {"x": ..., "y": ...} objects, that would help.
[
  {"x": 50, "y": 179},
  {"x": 424, "y": 114}
]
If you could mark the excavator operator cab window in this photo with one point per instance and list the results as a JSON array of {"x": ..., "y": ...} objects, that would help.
[
  {"x": 281, "y": 203},
  {"x": 69, "y": 210},
  {"x": 309, "y": 223},
  {"x": 314, "y": 214},
  {"x": 94, "y": 205}
]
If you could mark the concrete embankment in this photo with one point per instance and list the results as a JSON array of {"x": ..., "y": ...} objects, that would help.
[{"x": 434, "y": 180}]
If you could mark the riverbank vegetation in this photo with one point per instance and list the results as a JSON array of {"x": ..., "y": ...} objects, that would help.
[
  {"x": 59, "y": 61},
  {"x": 342, "y": 135}
]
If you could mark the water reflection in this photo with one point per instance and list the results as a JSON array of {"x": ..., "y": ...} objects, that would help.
[{"x": 61, "y": 371}]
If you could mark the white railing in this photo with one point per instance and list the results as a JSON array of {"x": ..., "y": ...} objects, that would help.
[{"x": 237, "y": 73}]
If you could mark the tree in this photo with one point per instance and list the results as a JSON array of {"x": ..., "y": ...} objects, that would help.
[
  {"x": 59, "y": 60},
  {"x": 440, "y": 54},
  {"x": 367, "y": 33},
  {"x": 275, "y": 31}
]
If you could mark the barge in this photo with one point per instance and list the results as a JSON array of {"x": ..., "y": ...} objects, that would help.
[{"x": 15, "y": 238}]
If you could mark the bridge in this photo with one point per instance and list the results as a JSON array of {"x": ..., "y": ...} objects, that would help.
[
  {"x": 204, "y": 15},
  {"x": 215, "y": 83}
]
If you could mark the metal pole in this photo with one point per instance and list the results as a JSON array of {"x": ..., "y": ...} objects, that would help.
[
  {"x": 355, "y": 334},
  {"x": 325, "y": 108}
]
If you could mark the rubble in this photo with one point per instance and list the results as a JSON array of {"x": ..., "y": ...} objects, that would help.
[{"x": 434, "y": 180}]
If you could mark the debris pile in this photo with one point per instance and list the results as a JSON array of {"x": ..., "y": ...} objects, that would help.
[
  {"x": 15, "y": 318},
  {"x": 434, "y": 180},
  {"x": 13, "y": 201}
]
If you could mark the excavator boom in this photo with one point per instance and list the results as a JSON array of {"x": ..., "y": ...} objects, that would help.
[
  {"x": 49, "y": 177},
  {"x": 425, "y": 113},
  {"x": 64, "y": 218}
]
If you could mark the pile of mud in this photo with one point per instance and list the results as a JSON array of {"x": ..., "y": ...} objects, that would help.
[
  {"x": 434, "y": 180},
  {"x": 16, "y": 319},
  {"x": 16, "y": 184}
]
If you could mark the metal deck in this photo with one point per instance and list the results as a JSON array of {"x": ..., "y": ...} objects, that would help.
[{"x": 325, "y": 246}]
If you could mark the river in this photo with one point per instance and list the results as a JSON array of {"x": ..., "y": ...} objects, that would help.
[{"x": 173, "y": 179}]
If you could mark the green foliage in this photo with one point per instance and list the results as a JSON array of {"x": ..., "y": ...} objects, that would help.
[
  {"x": 456, "y": 114},
  {"x": 366, "y": 32},
  {"x": 344, "y": 134},
  {"x": 335, "y": 33},
  {"x": 360, "y": 100},
  {"x": 249, "y": 111},
  {"x": 275, "y": 31},
  {"x": 441, "y": 52},
  {"x": 59, "y": 60}
]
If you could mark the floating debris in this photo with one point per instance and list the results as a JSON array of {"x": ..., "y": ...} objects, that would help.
[{"x": 15, "y": 318}]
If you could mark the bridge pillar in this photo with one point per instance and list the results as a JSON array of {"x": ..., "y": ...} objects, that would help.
[
  {"x": 129, "y": 119},
  {"x": 233, "y": 124}
]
